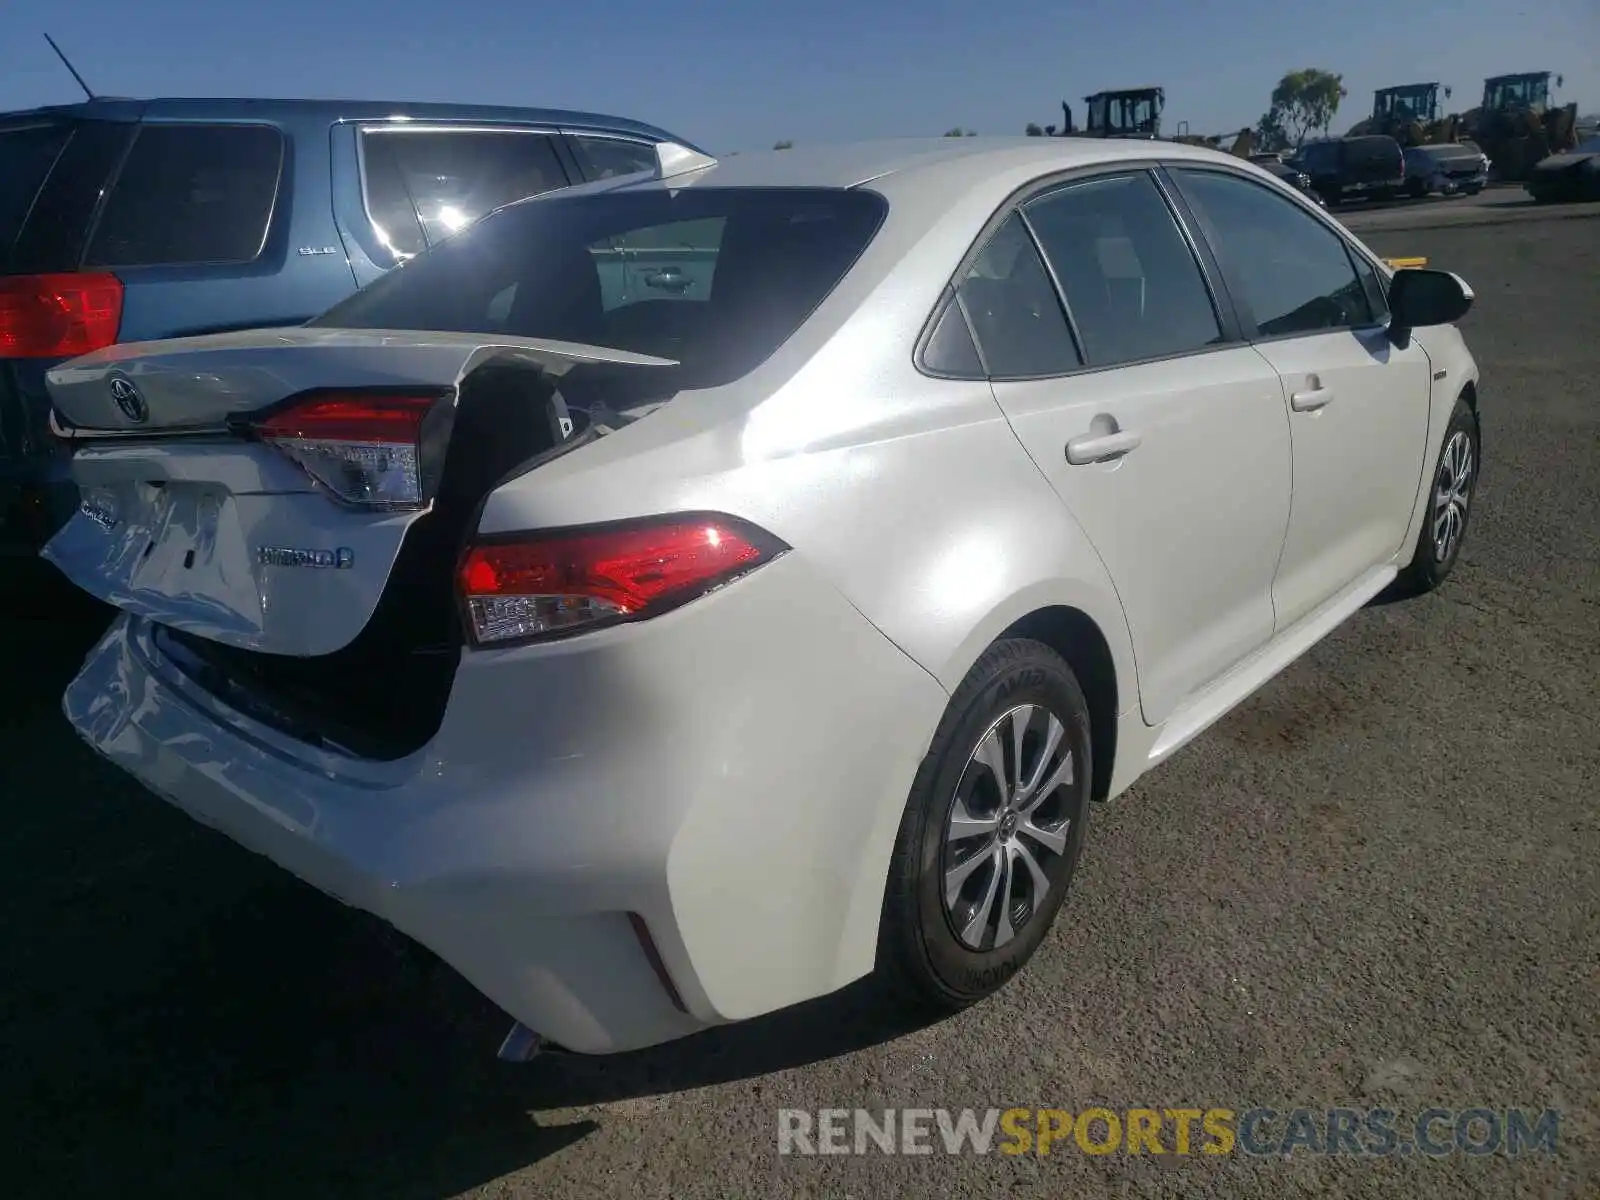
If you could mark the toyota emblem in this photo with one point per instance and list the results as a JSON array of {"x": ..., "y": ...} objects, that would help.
[{"x": 128, "y": 399}]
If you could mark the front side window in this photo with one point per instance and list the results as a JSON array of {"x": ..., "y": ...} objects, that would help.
[
  {"x": 1294, "y": 272},
  {"x": 715, "y": 279},
  {"x": 1132, "y": 283},
  {"x": 422, "y": 186},
  {"x": 191, "y": 194}
]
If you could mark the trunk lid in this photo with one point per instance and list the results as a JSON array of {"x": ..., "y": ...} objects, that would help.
[{"x": 189, "y": 520}]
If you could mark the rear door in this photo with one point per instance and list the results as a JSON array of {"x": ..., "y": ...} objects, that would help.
[
  {"x": 1162, "y": 433},
  {"x": 416, "y": 183},
  {"x": 1357, "y": 405}
]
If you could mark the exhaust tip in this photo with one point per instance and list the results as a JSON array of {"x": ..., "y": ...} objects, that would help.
[{"x": 521, "y": 1045}]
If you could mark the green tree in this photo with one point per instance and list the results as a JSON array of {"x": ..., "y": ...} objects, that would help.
[
  {"x": 1270, "y": 133},
  {"x": 960, "y": 132},
  {"x": 783, "y": 145},
  {"x": 1305, "y": 100},
  {"x": 1033, "y": 130}
]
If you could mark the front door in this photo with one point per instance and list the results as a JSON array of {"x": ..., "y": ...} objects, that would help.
[{"x": 1357, "y": 405}]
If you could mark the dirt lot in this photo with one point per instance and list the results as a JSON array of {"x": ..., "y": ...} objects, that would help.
[{"x": 1376, "y": 883}]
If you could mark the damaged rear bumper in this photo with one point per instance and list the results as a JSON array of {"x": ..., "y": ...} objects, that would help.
[{"x": 620, "y": 840}]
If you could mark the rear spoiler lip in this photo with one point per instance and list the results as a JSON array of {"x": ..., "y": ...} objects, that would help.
[
  {"x": 555, "y": 357},
  {"x": 314, "y": 336}
]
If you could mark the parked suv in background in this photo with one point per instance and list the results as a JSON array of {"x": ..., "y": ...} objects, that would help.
[
  {"x": 129, "y": 220},
  {"x": 1450, "y": 169},
  {"x": 1353, "y": 168}
]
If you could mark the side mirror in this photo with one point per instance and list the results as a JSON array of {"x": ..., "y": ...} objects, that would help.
[{"x": 1419, "y": 298}]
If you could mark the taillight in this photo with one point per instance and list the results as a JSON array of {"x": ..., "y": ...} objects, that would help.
[
  {"x": 367, "y": 449},
  {"x": 542, "y": 585},
  {"x": 58, "y": 316}
]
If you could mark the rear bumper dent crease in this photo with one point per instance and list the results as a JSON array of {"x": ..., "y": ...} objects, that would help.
[{"x": 574, "y": 861}]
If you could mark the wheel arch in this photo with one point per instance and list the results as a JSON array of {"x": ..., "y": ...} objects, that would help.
[
  {"x": 1086, "y": 626},
  {"x": 1075, "y": 636}
]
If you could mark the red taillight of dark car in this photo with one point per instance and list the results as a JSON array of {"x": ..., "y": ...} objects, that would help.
[
  {"x": 58, "y": 316},
  {"x": 539, "y": 585}
]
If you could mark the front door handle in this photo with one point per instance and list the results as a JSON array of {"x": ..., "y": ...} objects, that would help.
[
  {"x": 1097, "y": 447},
  {"x": 1311, "y": 399}
]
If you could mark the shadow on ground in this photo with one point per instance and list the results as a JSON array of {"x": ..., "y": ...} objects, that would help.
[{"x": 179, "y": 1016}]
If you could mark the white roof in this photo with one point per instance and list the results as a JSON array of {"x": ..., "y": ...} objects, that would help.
[{"x": 847, "y": 164}]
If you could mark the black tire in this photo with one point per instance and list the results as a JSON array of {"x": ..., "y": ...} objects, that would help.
[
  {"x": 920, "y": 953},
  {"x": 1433, "y": 560}
]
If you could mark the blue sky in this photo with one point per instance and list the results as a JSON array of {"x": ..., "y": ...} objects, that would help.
[{"x": 740, "y": 76}]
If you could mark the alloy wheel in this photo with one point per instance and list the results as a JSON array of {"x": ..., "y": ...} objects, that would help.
[
  {"x": 1452, "y": 492},
  {"x": 1008, "y": 827}
]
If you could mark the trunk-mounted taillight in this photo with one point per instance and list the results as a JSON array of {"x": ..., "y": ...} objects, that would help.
[
  {"x": 539, "y": 585},
  {"x": 367, "y": 449},
  {"x": 58, "y": 316}
]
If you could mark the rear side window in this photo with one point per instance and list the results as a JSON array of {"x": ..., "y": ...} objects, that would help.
[
  {"x": 52, "y": 233},
  {"x": 715, "y": 279},
  {"x": 950, "y": 349},
  {"x": 1295, "y": 273},
  {"x": 422, "y": 186},
  {"x": 1132, "y": 284},
  {"x": 26, "y": 156},
  {"x": 1016, "y": 316},
  {"x": 606, "y": 158},
  {"x": 191, "y": 194}
]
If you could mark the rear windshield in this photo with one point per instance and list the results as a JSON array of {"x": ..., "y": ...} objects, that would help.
[
  {"x": 714, "y": 278},
  {"x": 27, "y": 153}
]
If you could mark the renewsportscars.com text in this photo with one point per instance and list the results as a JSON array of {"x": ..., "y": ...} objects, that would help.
[{"x": 1380, "y": 1132}]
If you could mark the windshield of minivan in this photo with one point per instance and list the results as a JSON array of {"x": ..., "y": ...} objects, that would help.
[{"x": 714, "y": 278}]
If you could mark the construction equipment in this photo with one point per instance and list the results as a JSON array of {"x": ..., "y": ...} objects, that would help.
[
  {"x": 1124, "y": 113},
  {"x": 1136, "y": 113},
  {"x": 1516, "y": 126},
  {"x": 1411, "y": 114}
]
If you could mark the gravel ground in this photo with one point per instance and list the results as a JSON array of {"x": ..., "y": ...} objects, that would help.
[{"x": 1374, "y": 884}]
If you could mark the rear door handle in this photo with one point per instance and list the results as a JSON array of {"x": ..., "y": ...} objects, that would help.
[
  {"x": 1310, "y": 400},
  {"x": 1097, "y": 447}
]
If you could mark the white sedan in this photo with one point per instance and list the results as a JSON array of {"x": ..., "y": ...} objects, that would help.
[{"x": 677, "y": 598}]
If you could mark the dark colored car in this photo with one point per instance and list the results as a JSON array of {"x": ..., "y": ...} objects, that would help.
[
  {"x": 1353, "y": 168},
  {"x": 1451, "y": 169},
  {"x": 1296, "y": 179},
  {"x": 135, "y": 220},
  {"x": 1574, "y": 175}
]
